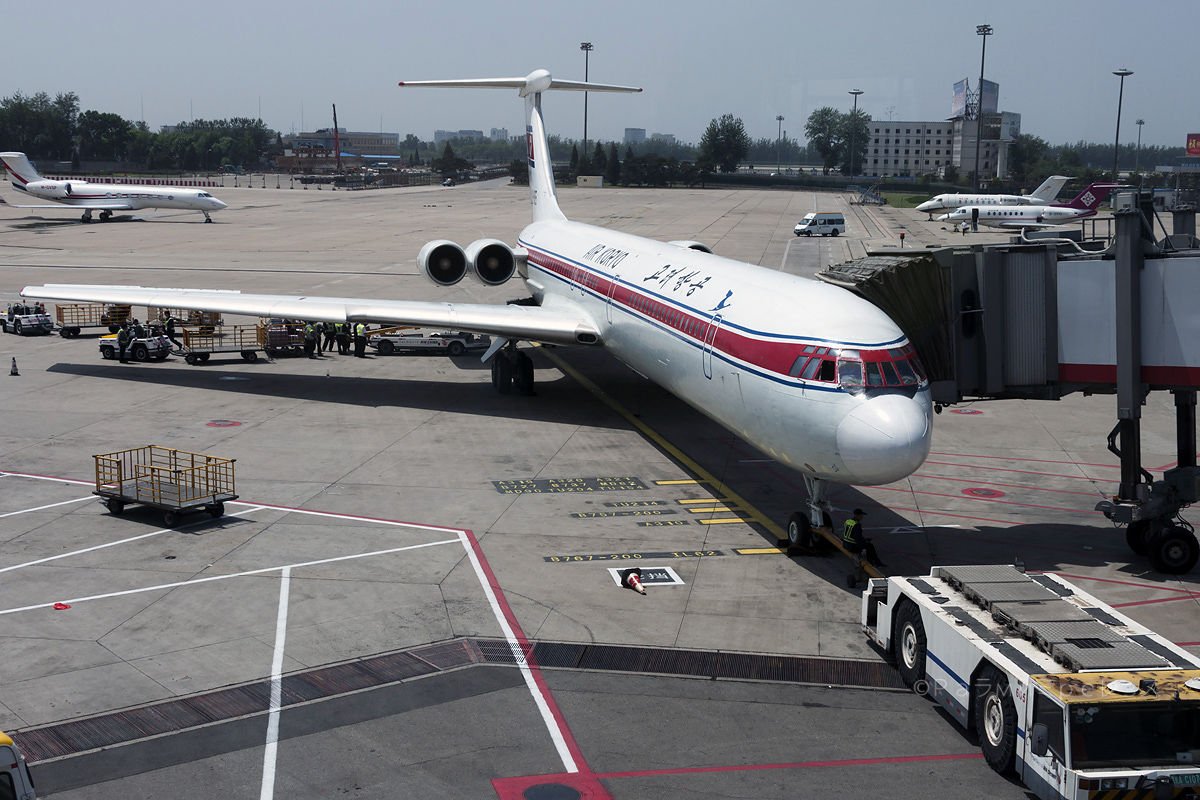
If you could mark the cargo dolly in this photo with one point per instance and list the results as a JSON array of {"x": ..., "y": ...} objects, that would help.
[
  {"x": 174, "y": 481},
  {"x": 74, "y": 317},
  {"x": 245, "y": 340}
]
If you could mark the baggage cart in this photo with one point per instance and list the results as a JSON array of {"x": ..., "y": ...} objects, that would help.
[
  {"x": 245, "y": 340},
  {"x": 74, "y": 317},
  {"x": 283, "y": 336},
  {"x": 205, "y": 321},
  {"x": 174, "y": 481}
]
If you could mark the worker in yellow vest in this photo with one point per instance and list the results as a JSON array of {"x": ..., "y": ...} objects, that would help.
[{"x": 360, "y": 340}]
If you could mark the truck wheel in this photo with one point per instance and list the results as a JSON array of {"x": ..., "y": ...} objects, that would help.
[
  {"x": 457, "y": 348},
  {"x": 204, "y": 357},
  {"x": 191, "y": 359},
  {"x": 1174, "y": 550},
  {"x": 17, "y": 328},
  {"x": 385, "y": 348},
  {"x": 249, "y": 356},
  {"x": 1136, "y": 535},
  {"x": 908, "y": 640},
  {"x": 995, "y": 720},
  {"x": 170, "y": 519},
  {"x": 140, "y": 352},
  {"x": 73, "y": 331},
  {"x": 216, "y": 510},
  {"x": 114, "y": 506},
  {"x": 108, "y": 352},
  {"x": 799, "y": 530}
]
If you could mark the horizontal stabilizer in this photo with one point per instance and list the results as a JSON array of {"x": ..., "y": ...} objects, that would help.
[{"x": 539, "y": 80}]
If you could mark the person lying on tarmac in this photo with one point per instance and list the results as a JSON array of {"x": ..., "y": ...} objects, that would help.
[{"x": 854, "y": 540}]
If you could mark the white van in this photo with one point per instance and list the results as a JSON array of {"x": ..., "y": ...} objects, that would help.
[{"x": 821, "y": 223}]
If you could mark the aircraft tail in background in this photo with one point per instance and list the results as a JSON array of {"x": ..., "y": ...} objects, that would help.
[
  {"x": 19, "y": 170},
  {"x": 1092, "y": 196},
  {"x": 1048, "y": 191}
]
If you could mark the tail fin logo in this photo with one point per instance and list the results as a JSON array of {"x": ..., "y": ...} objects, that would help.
[{"x": 1088, "y": 199}]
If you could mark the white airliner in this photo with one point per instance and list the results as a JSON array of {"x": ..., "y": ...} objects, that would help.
[
  {"x": 103, "y": 197},
  {"x": 1083, "y": 205},
  {"x": 1046, "y": 193},
  {"x": 813, "y": 375}
]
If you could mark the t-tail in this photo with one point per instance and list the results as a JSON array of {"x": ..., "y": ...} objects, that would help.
[
  {"x": 1048, "y": 191},
  {"x": 20, "y": 171},
  {"x": 1091, "y": 197},
  {"x": 542, "y": 195}
]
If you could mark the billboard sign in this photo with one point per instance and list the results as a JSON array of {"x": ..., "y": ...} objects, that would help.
[
  {"x": 958, "y": 106},
  {"x": 1193, "y": 144},
  {"x": 991, "y": 97}
]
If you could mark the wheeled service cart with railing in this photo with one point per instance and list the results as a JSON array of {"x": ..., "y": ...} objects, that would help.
[
  {"x": 245, "y": 340},
  {"x": 74, "y": 317},
  {"x": 173, "y": 481}
]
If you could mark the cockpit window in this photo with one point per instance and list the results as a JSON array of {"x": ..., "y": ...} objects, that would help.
[
  {"x": 907, "y": 376},
  {"x": 895, "y": 368},
  {"x": 203, "y": 194},
  {"x": 850, "y": 374}
]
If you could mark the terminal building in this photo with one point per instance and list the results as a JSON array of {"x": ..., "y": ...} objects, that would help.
[
  {"x": 915, "y": 148},
  {"x": 359, "y": 142}
]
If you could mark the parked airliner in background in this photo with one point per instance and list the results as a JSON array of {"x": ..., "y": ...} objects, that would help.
[
  {"x": 103, "y": 197},
  {"x": 1084, "y": 205},
  {"x": 1046, "y": 193},
  {"x": 813, "y": 375}
]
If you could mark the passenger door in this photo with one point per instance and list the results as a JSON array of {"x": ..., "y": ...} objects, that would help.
[{"x": 710, "y": 336}]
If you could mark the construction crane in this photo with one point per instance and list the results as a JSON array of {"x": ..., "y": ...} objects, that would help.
[{"x": 337, "y": 142}]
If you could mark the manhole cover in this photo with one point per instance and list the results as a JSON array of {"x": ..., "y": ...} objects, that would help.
[
  {"x": 980, "y": 492},
  {"x": 223, "y": 423},
  {"x": 551, "y": 791}
]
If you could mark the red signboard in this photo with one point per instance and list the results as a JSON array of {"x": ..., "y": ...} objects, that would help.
[{"x": 1193, "y": 145}]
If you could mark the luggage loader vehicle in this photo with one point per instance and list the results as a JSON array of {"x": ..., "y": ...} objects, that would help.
[
  {"x": 25, "y": 319},
  {"x": 15, "y": 780},
  {"x": 1074, "y": 698}
]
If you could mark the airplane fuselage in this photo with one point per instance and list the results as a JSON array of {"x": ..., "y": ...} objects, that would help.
[
  {"x": 735, "y": 341},
  {"x": 1018, "y": 216},
  {"x": 84, "y": 195}
]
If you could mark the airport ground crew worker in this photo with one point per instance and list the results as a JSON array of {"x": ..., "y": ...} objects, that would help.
[
  {"x": 123, "y": 336},
  {"x": 310, "y": 339},
  {"x": 854, "y": 540},
  {"x": 327, "y": 331},
  {"x": 137, "y": 330},
  {"x": 170, "y": 328},
  {"x": 360, "y": 340},
  {"x": 342, "y": 334}
]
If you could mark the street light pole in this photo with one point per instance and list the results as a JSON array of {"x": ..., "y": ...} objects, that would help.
[
  {"x": 778, "y": 140},
  {"x": 984, "y": 31},
  {"x": 587, "y": 49},
  {"x": 853, "y": 128},
  {"x": 1121, "y": 73},
  {"x": 1137, "y": 154}
]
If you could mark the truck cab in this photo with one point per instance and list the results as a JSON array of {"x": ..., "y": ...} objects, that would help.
[{"x": 15, "y": 780}]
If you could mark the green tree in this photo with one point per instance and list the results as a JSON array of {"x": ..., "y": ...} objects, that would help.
[
  {"x": 599, "y": 159},
  {"x": 824, "y": 130},
  {"x": 103, "y": 136},
  {"x": 612, "y": 171},
  {"x": 1025, "y": 155},
  {"x": 449, "y": 164},
  {"x": 854, "y": 128},
  {"x": 725, "y": 142},
  {"x": 574, "y": 164}
]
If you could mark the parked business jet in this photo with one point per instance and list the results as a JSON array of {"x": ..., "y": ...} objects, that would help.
[
  {"x": 103, "y": 197},
  {"x": 1046, "y": 193},
  {"x": 1084, "y": 205},
  {"x": 810, "y": 373}
]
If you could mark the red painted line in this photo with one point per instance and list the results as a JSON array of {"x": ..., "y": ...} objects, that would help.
[
  {"x": 924, "y": 512},
  {"x": 985, "y": 500},
  {"x": 1156, "y": 586},
  {"x": 995, "y": 483},
  {"x": 1187, "y": 644},
  {"x": 1024, "y": 460},
  {"x": 1019, "y": 471},
  {"x": 848, "y": 762},
  {"x": 527, "y": 649},
  {"x": 1156, "y": 600}
]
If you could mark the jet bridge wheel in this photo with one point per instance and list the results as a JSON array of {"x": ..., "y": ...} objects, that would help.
[
  {"x": 909, "y": 643},
  {"x": 995, "y": 719},
  {"x": 1174, "y": 550}
]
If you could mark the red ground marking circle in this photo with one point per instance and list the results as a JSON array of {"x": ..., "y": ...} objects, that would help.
[
  {"x": 965, "y": 411},
  {"x": 223, "y": 423},
  {"x": 980, "y": 492}
]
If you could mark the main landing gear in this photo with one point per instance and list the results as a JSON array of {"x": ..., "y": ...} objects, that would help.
[
  {"x": 87, "y": 216},
  {"x": 105, "y": 215},
  {"x": 801, "y": 529},
  {"x": 512, "y": 371}
]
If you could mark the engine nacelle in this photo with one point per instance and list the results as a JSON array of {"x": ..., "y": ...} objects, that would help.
[
  {"x": 48, "y": 188},
  {"x": 690, "y": 245},
  {"x": 443, "y": 262},
  {"x": 491, "y": 261}
]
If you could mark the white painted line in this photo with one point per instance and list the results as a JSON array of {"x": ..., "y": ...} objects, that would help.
[
  {"x": 560, "y": 744},
  {"x": 51, "y": 505},
  {"x": 114, "y": 544},
  {"x": 269, "y": 753},
  {"x": 48, "y": 478},
  {"x": 264, "y": 570}
]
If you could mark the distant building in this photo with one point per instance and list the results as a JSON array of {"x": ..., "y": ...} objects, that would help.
[
  {"x": 499, "y": 135},
  {"x": 440, "y": 136},
  {"x": 360, "y": 142},
  {"x": 635, "y": 135},
  {"x": 663, "y": 138},
  {"x": 908, "y": 148}
]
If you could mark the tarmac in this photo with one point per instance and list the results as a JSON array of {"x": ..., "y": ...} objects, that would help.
[{"x": 414, "y": 593}]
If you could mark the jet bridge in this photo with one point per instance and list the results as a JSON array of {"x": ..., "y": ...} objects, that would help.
[{"x": 1039, "y": 319}]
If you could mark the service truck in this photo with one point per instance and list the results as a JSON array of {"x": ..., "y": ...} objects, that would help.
[
  {"x": 453, "y": 343},
  {"x": 1077, "y": 700},
  {"x": 24, "y": 319},
  {"x": 15, "y": 781}
]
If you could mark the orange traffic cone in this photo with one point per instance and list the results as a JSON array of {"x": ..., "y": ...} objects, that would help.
[
  {"x": 632, "y": 579},
  {"x": 13, "y": 370}
]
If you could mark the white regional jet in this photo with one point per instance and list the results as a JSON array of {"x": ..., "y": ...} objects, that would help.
[
  {"x": 1083, "y": 205},
  {"x": 811, "y": 374},
  {"x": 103, "y": 197},
  {"x": 1046, "y": 193}
]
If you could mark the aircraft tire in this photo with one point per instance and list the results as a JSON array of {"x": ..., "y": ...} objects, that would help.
[
  {"x": 523, "y": 374},
  {"x": 1174, "y": 550},
  {"x": 909, "y": 643},
  {"x": 502, "y": 374},
  {"x": 1136, "y": 536}
]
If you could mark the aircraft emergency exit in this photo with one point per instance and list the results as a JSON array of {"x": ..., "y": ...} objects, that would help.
[
  {"x": 1046, "y": 193},
  {"x": 811, "y": 374},
  {"x": 103, "y": 197},
  {"x": 1083, "y": 205}
]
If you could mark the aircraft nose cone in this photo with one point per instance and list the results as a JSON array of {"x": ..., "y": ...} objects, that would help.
[
  {"x": 926, "y": 207},
  {"x": 884, "y": 439},
  {"x": 218, "y": 204}
]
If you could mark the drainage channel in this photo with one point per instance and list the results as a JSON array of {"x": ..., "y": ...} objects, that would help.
[{"x": 65, "y": 739}]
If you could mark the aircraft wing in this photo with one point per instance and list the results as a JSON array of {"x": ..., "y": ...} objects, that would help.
[
  {"x": 1017, "y": 223},
  {"x": 95, "y": 205},
  {"x": 561, "y": 323}
]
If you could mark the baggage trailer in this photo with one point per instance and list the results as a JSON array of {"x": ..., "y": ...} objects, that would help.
[
  {"x": 174, "y": 481},
  {"x": 283, "y": 336},
  {"x": 15, "y": 781},
  {"x": 74, "y": 317},
  {"x": 245, "y": 340},
  {"x": 205, "y": 321},
  {"x": 1074, "y": 698}
]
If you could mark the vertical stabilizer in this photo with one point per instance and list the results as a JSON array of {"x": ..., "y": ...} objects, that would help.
[
  {"x": 1091, "y": 197},
  {"x": 1048, "y": 191},
  {"x": 20, "y": 171}
]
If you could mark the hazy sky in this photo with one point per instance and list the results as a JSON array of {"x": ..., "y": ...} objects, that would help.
[{"x": 696, "y": 60}]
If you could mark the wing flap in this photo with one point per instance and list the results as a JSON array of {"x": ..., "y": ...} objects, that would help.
[{"x": 563, "y": 323}]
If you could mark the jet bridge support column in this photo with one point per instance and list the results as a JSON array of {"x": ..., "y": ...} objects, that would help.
[{"x": 1130, "y": 390}]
